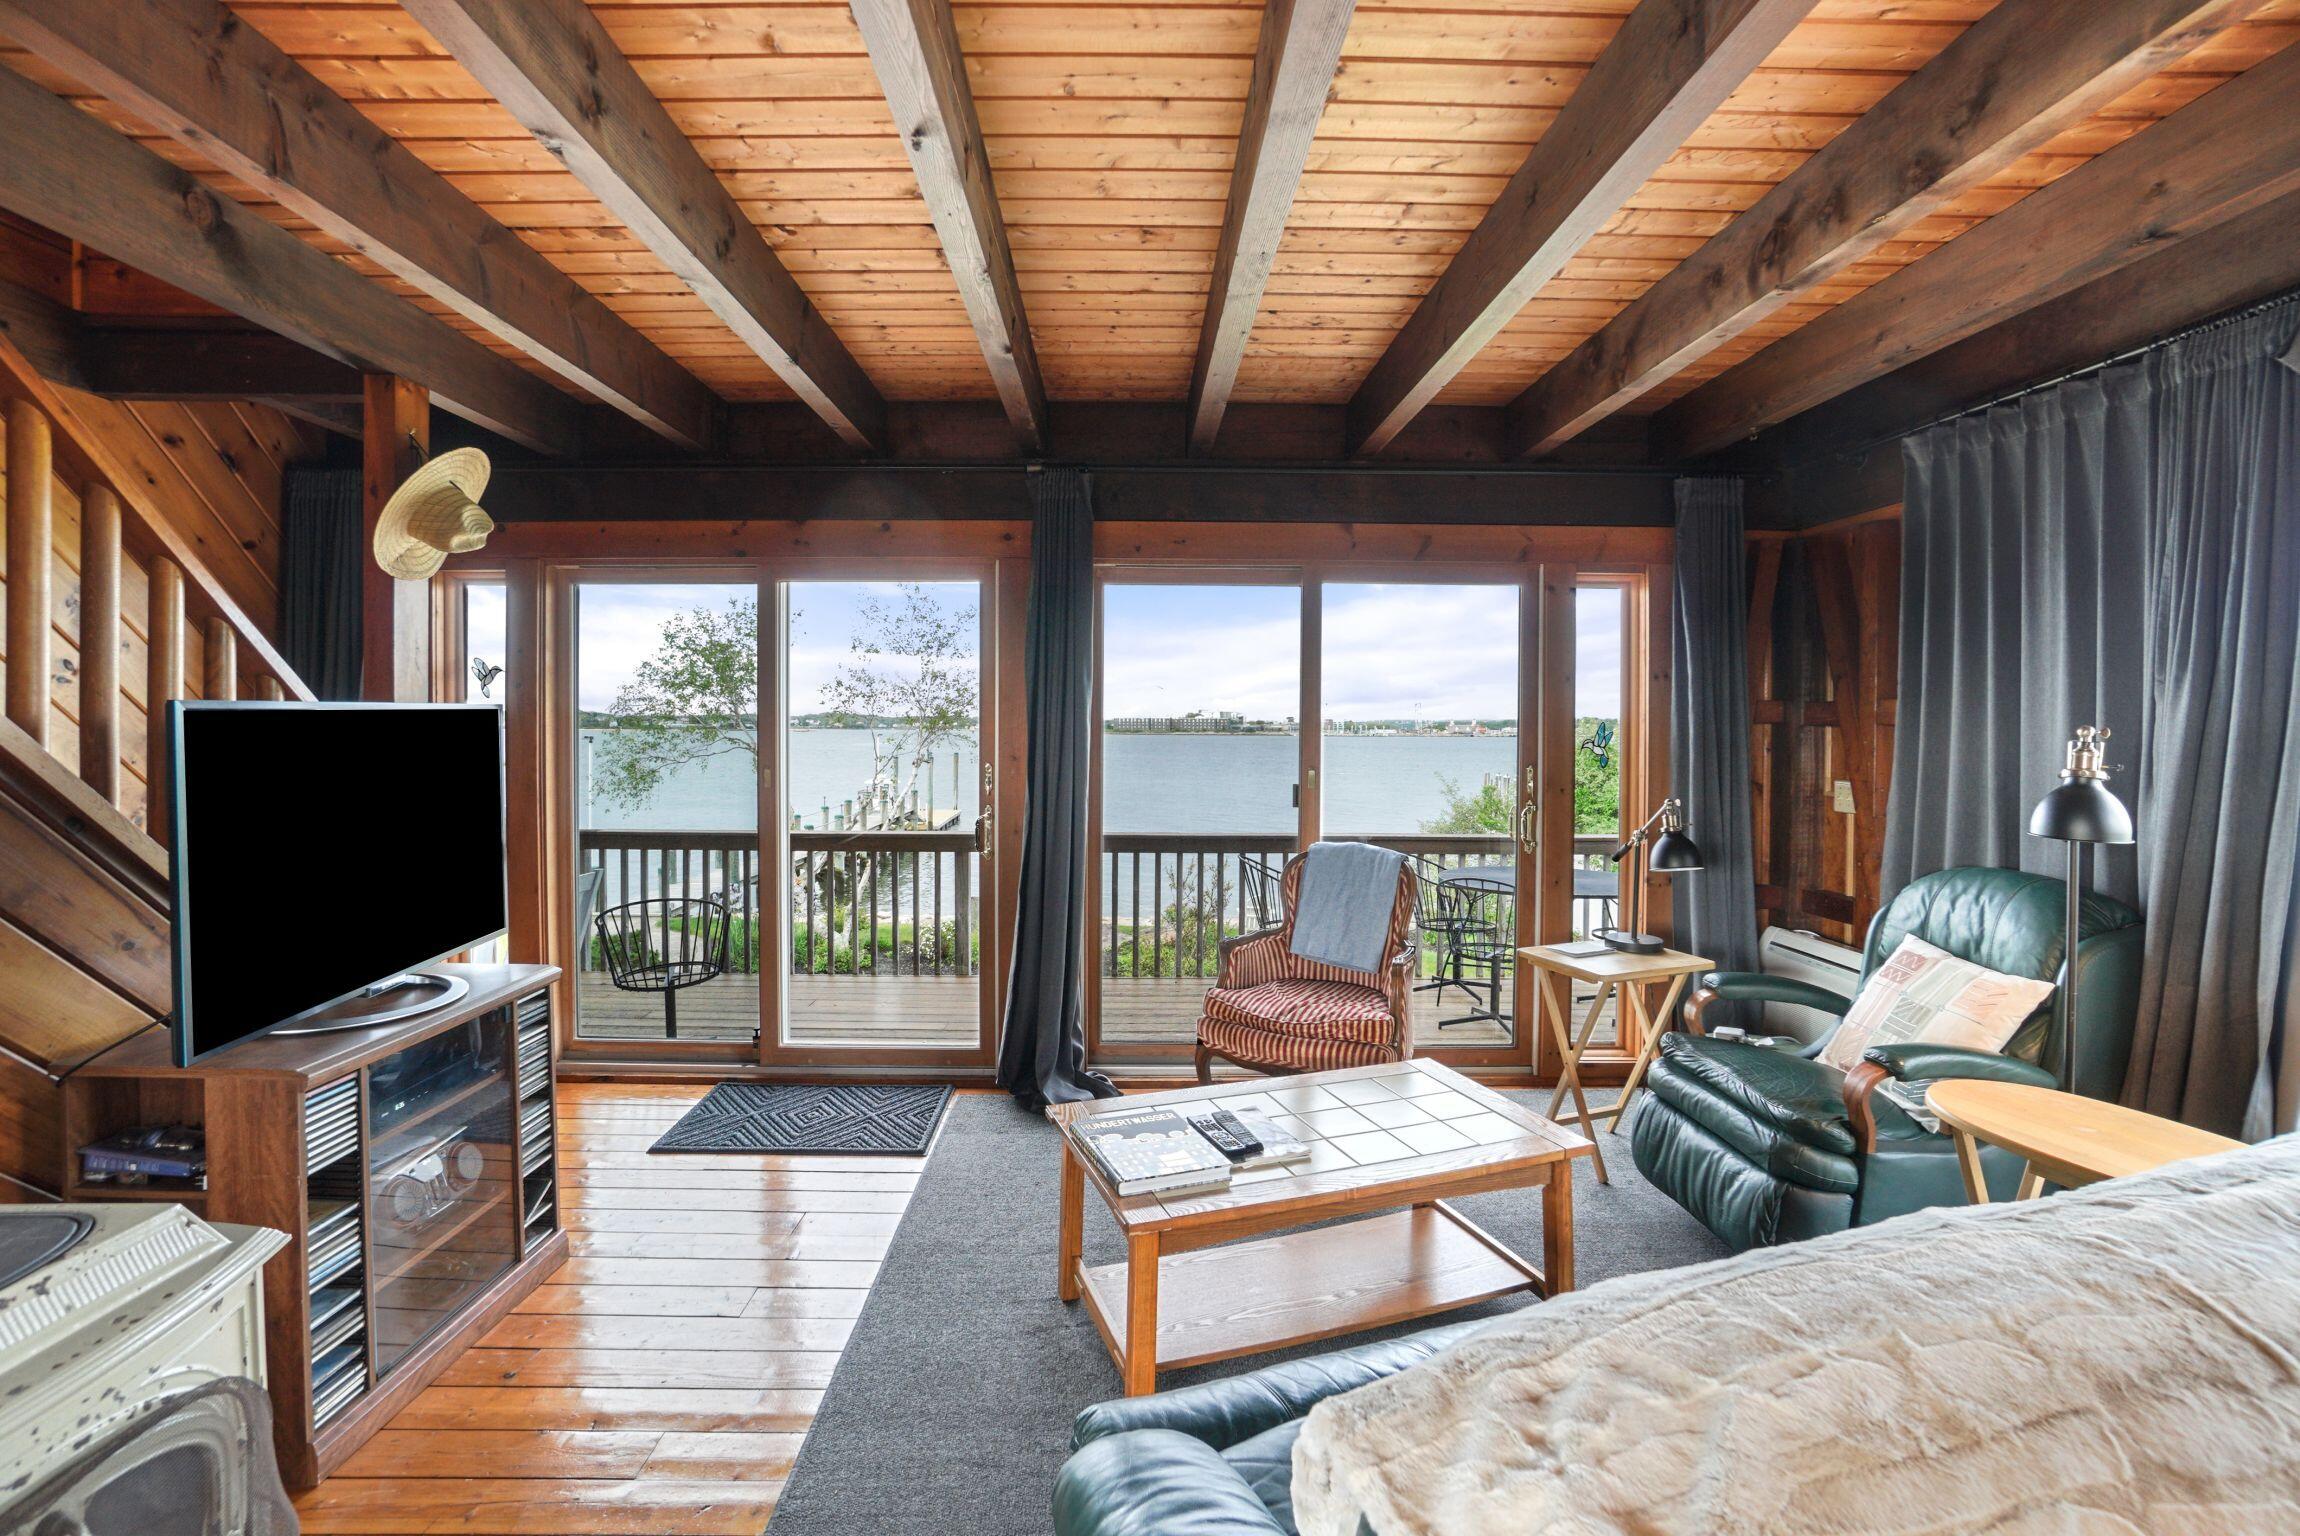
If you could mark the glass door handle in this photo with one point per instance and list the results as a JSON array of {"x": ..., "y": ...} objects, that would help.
[
  {"x": 1528, "y": 829},
  {"x": 982, "y": 832}
]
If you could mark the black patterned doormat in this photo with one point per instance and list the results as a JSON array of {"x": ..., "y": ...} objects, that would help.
[{"x": 809, "y": 1117}]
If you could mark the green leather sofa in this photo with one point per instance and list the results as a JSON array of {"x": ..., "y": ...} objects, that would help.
[
  {"x": 1216, "y": 1459},
  {"x": 1766, "y": 1145}
]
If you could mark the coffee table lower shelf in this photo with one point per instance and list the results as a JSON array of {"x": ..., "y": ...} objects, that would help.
[{"x": 1219, "y": 1302}]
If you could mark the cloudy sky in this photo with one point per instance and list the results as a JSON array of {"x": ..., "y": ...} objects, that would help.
[{"x": 1391, "y": 651}]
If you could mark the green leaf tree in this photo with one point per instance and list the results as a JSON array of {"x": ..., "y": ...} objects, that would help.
[
  {"x": 1490, "y": 807},
  {"x": 909, "y": 682},
  {"x": 695, "y": 698}
]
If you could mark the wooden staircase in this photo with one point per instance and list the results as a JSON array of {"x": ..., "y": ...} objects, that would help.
[{"x": 109, "y": 612}]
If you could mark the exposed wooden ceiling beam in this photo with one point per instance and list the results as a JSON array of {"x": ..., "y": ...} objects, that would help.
[
  {"x": 914, "y": 49},
  {"x": 1672, "y": 63},
  {"x": 1300, "y": 46},
  {"x": 70, "y": 172},
  {"x": 172, "y": 363},
  {"x": 2244, "y": 261},
  {"x": 2216, "y": 159},
  {"x": 2015, "y": 78},
  {"x": 554, "y": 68},
  {"x": 193, "y": 69}
]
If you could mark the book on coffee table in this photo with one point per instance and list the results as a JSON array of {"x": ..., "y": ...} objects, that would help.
[{"x": 1153, "y": 1151}]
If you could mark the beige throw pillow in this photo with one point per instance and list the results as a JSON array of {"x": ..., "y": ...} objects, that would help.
[{"x": 1924, "y": 993}]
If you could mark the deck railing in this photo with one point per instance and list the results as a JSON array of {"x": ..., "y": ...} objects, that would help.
[
  {"x": 860, "y": 903},
  {"x": 1169, "y": 899},
  {"x": 906, "y": 903}
]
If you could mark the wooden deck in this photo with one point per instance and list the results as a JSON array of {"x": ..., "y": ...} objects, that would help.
[
  {"x": 661, "y": 1380},
  {"x": 931, "y": 1011}
]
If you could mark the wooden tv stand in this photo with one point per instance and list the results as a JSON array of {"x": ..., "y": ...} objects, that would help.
[{"x": 413, "y": 1166}]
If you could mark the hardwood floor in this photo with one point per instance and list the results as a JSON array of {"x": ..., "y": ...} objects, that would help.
[{"x": 660, "y": 1383}]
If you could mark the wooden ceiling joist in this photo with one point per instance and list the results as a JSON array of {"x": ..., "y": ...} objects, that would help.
[
  {"x": 194, "y": 69},
  {"x": 2217, "y": 159},
  {"x": 554, "y": 68},
  {"x": 1671, "y": 64},
  {"x": 1301, "y": 43},
  {"x": 2244, "y": 261},
  {"x": 914, "y": 49},
  {"x": 70, "y": 172},
  {"x": 2017, "y": 77}
]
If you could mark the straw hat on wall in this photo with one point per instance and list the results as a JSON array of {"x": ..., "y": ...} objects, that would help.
[{"x": 434, "y": 514}]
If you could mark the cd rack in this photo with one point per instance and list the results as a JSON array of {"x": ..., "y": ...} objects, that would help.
[
  {"x": 537, "y": 1146},
  {"x": 334, "y": 1249}
]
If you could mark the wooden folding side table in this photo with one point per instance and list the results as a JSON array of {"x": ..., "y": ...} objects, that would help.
[
  {"x": 1624, "y": 977},
  {"x": 2067, "y": 1139}
]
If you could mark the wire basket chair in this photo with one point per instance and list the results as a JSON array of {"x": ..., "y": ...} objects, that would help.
[{"x": 665, "y": 944}]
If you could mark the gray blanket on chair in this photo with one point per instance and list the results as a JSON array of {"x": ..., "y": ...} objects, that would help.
[{"x": 1342, "y": 914}]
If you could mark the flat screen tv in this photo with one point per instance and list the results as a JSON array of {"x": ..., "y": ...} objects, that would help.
[{"x": 322, "y": 850}]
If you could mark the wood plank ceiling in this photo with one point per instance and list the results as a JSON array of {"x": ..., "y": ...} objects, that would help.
[{"x": 1111, "y": 128}]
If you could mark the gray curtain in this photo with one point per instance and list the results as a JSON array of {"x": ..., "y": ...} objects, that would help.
[
  {"x": 2121, "y": 550},
  {"x": 2020, "y": 597},
  {"x": 1042, "y": 1050},
  {"x": 321, "y": 546},
  {"x": 2220, "y": 806},
  {"x": 1715, "y": 906}
]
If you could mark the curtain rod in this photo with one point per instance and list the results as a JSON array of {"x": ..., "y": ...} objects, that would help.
[{"x": 2233, "y": 317}]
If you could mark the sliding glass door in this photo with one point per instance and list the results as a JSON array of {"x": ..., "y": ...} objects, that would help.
[
  {"x": 1199, "y": 766},
  {"x": 1420, "y": 689},
  {"x": 883, "y": 818},
  {"x": 666, "y": 767}
]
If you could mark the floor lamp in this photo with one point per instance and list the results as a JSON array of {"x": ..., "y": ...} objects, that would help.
[{"x": 2079, "y": 811}]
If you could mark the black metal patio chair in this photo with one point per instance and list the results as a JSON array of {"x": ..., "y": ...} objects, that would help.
[{"x": 665, "y": 944}]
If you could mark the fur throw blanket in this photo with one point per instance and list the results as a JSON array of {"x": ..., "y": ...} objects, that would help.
[{"x": 2123, "y": 1358}]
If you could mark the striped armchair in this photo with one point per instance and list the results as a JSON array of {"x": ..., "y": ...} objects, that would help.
[{"x": 1273, "y": 1011}]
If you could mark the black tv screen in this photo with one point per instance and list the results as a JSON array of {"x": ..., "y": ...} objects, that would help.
[{"x": 322, "y": 848}]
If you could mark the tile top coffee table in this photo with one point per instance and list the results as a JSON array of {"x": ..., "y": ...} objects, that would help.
[{"x": 1389, "y": 1145}]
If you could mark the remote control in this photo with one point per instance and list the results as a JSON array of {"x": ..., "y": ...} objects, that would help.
[{"x": 1229, "y": 1135}]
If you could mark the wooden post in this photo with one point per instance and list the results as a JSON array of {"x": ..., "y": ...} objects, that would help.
[
  {"x": 268, "y": 688},
  {"x": 223, "y": 647},
  {"x": 164, "y": 680},
  {"x": 100, "y": 641},
  {"x": 395, "y": 616},
  {"x": 31, "y": 572}
]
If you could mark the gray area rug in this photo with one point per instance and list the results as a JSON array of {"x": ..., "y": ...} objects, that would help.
[{"x": 950, "y": 1410}]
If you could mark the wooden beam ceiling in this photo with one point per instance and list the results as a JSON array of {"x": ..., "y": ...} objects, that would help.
[
  {"x": 2217, "y": 159},
  {"x": 194, "y": 69},
  {"x": 87, "y": 181},
  {"x": 914, "y": 49},
  {"x": 1672, "y": 64},
  {"x": 2017, "y": 77},
  {"x": 553, "y": 67},
  {"x": 1301, "y": 43}
]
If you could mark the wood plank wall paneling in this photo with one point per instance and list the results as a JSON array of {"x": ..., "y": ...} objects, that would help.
[
  {"x": 1824, "y": 660},
  {"x": 1112, "y": 130}
]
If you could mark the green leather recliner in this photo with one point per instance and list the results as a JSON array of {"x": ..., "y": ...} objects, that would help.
[{"x": 1765, "y": 1144}]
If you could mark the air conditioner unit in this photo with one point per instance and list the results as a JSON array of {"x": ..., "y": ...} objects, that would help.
[{"x": 1805, "y": 956}]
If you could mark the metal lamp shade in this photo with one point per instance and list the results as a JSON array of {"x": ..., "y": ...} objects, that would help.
[
  {"x": 1675, "y": 853},
  {"x": 2081, "y": 810}
]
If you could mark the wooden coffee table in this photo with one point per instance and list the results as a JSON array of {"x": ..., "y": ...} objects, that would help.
[{"x": 1390, "y": 1145}]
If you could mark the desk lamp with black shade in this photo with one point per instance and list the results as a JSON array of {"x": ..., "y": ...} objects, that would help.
[
  {"x": 2080, "y": 811},
  {"x": 1668, "y": 852}
]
